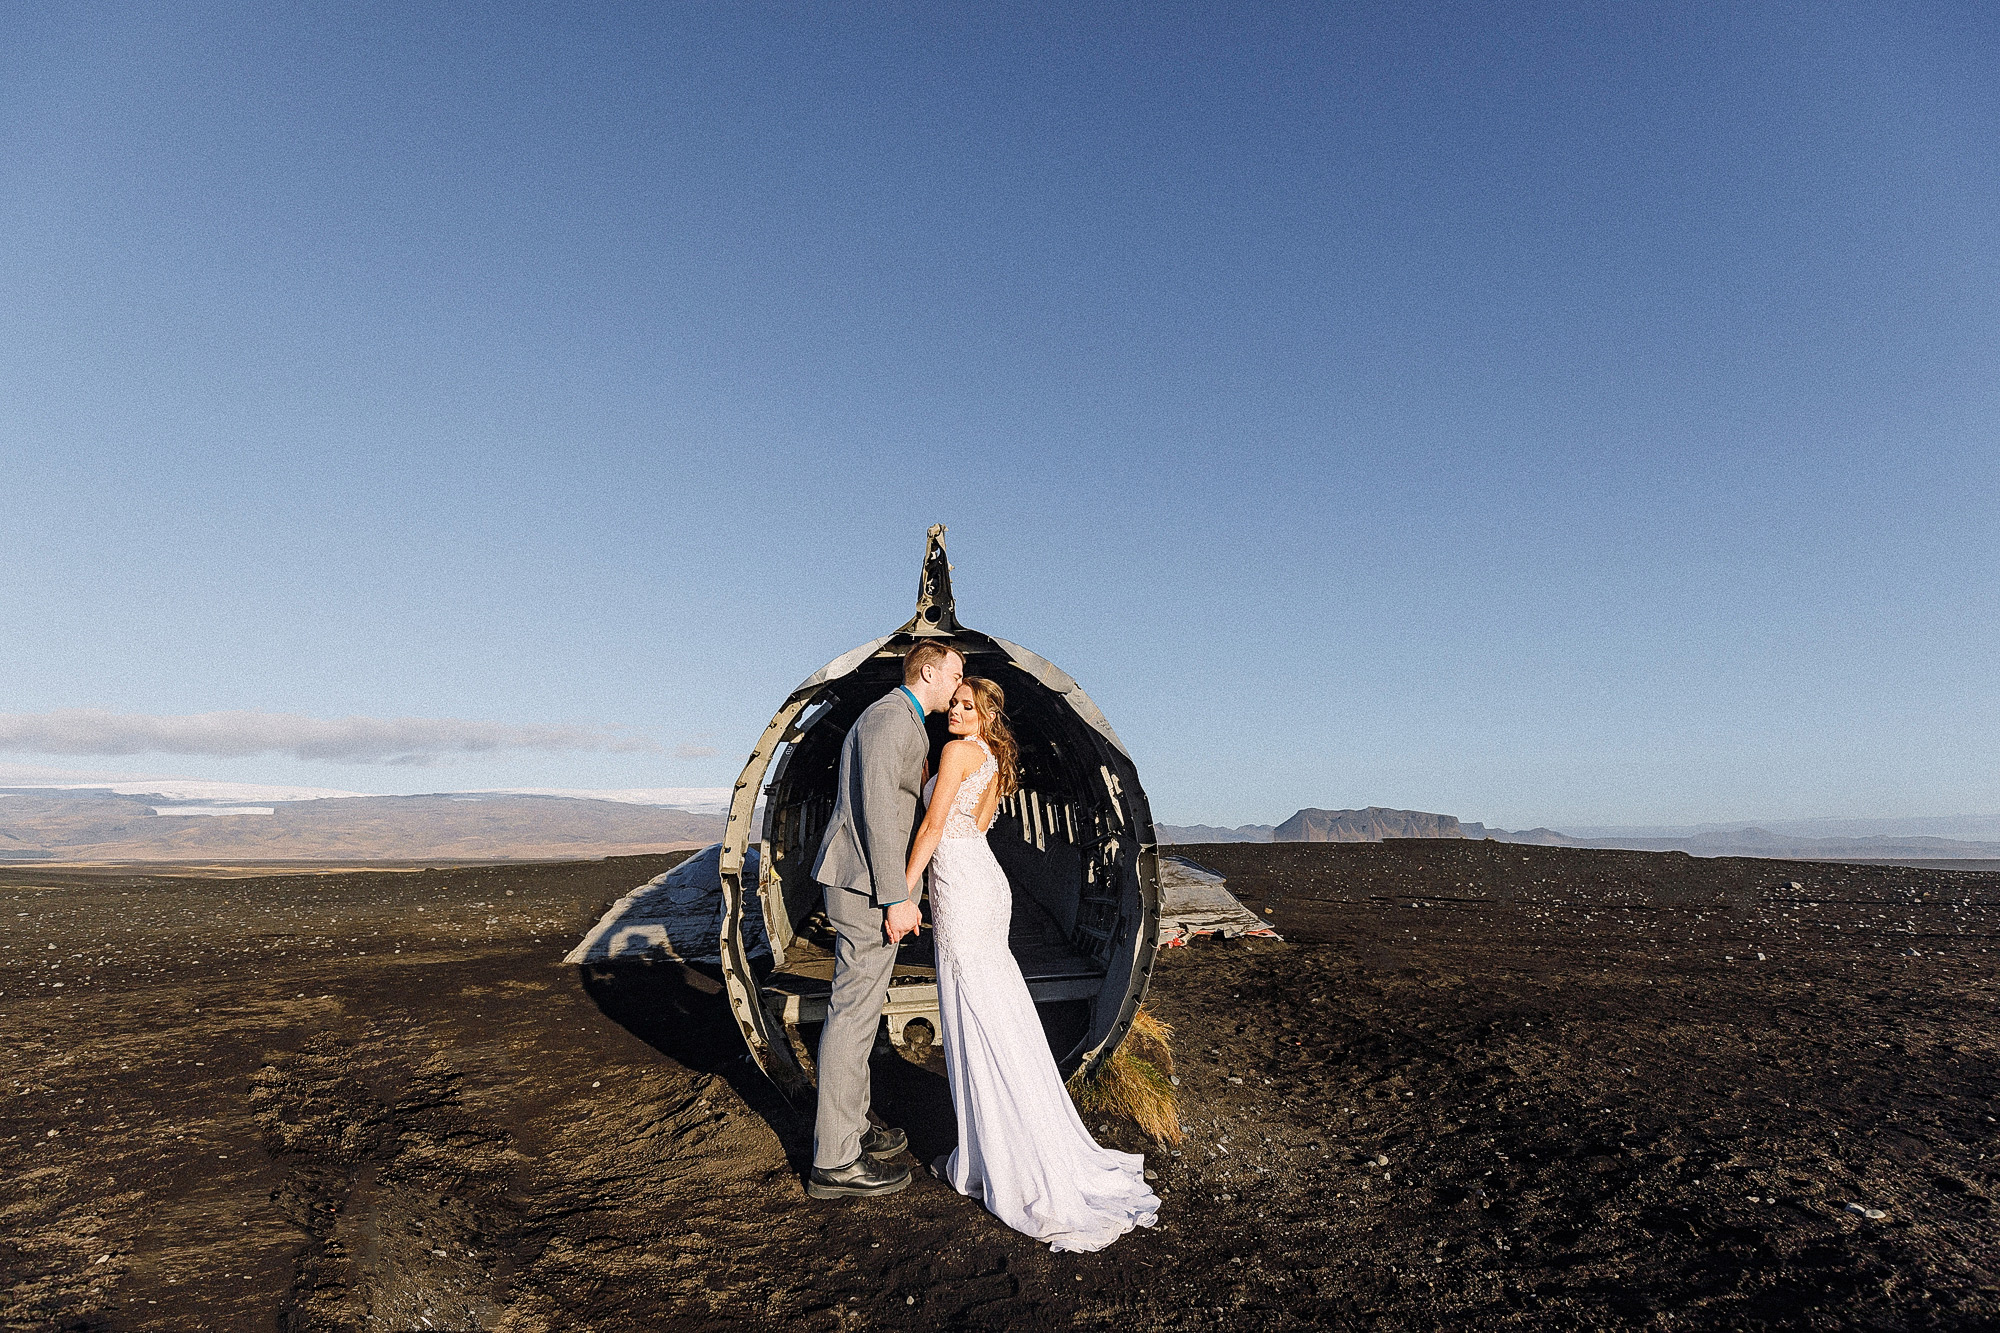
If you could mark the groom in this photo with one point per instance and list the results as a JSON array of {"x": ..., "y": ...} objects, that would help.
[{"x": 862, "y": 862}]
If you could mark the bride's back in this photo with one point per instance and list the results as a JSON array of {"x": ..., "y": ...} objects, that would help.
[{"x": 978, "y": 797}]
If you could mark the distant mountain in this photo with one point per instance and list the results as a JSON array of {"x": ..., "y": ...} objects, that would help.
[
  {"x": 1377, "y": 823},
  {"x": 1539, "y": 837},
  {"x": 1959, "y": 828},
  {"x": 70, "y": 826},
  {"x": 214, "y": 824},
  {"x": 1370, "y": 825},
  {"x": 1763, "y": 842},
  {"x": 697, "y": 800},
  {"x": 1210, "y": 833}
]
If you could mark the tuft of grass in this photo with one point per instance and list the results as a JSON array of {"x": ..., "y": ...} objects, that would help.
[{"x": 1136, "y": 1081}]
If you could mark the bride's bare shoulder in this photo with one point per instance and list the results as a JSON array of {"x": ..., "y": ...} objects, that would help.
[{"x": 961, "y": 751}]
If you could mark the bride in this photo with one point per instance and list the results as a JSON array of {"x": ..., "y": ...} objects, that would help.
[{"x": 1022, "y": 1150}]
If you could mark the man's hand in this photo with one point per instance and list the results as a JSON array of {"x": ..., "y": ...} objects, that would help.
[{"x": 900, "y": 919}]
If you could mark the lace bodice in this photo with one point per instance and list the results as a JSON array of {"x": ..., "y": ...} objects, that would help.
[{"x": 959, "y": 822}]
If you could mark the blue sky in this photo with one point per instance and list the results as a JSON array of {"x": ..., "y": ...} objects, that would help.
[{"x": 1561, "y": 414}]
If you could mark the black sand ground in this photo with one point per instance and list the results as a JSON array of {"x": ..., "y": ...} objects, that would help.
[{"x": 1479, "y": 1086}]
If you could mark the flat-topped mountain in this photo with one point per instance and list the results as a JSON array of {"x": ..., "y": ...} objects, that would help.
[
  {"x": 1370, "y": 825},
  {"x": 1312, "y": 825}
]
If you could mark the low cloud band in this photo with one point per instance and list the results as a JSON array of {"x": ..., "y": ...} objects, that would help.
[{"x": 352, "y": 740}]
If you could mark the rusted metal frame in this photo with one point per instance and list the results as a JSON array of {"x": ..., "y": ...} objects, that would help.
[
  {"x": 937, "y": 613},
  {"x": 1146, "y": 939},
  {"x": 781, "y": 836},
  {"x": 762, "y": 1034}
]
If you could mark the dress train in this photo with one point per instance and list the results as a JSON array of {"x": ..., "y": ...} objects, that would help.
[{"x": 1022, "y": 1149}]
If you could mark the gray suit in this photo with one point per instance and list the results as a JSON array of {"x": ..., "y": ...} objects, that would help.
[{"x": 862, "y": 861}]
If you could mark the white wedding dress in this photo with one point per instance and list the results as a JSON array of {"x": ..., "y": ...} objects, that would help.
[{"x": 1022, "y": 1150}]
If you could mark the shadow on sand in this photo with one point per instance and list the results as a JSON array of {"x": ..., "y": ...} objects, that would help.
[{"x": 681, "y": 1011}]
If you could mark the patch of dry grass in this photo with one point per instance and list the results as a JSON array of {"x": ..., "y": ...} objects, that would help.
[{"x": 1137, "y": 1081}]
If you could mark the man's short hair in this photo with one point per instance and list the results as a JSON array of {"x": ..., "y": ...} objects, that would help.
[{"x": 921, "y": 656}]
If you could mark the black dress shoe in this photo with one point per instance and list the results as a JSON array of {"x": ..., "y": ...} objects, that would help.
[
  {"x": 862, "y": 1178},
  {"x": 884, "y": 1141}
]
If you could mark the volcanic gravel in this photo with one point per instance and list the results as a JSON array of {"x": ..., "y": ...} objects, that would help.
[{"x": 1477, "y": 1085}]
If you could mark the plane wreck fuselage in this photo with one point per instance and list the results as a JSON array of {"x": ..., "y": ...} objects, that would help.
[{"x": 1076, "y": 842}]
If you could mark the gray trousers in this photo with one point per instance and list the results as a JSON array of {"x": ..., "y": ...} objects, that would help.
[{"x": 863, "y": 962}]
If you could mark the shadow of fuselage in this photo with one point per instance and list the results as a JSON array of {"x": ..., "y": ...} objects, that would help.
[{"x": 681, "y": 1010}]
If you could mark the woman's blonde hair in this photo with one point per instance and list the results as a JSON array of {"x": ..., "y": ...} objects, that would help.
[{"x": 991, "y": 703}]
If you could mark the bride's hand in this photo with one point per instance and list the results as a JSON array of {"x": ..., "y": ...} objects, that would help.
[{"x": 903, "y": 918}]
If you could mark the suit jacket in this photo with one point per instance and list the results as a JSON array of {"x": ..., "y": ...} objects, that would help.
[{"x": 867, "y": 842}]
